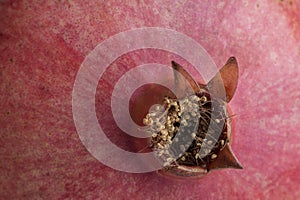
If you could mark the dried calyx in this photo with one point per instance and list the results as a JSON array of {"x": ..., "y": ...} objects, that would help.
[{"x": 191, "y": 134}]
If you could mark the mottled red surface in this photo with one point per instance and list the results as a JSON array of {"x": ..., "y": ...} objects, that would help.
[{"x": 42, "y": 45}]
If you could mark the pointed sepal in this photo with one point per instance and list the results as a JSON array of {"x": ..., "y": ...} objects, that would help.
[
  {"x": 225, "y": 159},
  {"x": 184, "y": 82},
  {"x": 228, "y": 74}
]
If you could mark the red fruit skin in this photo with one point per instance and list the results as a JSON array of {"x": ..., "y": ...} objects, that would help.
[{"x": 42, "y": 45}]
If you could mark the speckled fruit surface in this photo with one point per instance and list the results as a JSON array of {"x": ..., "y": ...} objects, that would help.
[{"x": 43, "y": 44}]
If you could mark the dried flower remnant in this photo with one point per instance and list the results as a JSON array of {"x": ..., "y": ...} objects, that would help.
[{"x": 191, "y": 134}]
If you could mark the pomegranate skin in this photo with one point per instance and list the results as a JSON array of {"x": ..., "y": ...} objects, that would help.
[{"x": 43, "y": 44}]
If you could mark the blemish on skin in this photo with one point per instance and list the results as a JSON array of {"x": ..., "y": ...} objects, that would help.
[
  {"x": 68, "y": 3},
  {"x": 262, "y": 124},
  {"x": 238, "y": 31},
  {"x": 271, "y": 143},
  {"x": 273, "y": 56},
  {"x": 220, "y": 5},
  {"x": 286, "y": 2},
  {"x": 246, "y": 3},
  {"x": 11, "y": 60}
]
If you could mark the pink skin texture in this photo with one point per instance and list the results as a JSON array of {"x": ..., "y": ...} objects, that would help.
[{"x": 42, "y": 45}]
